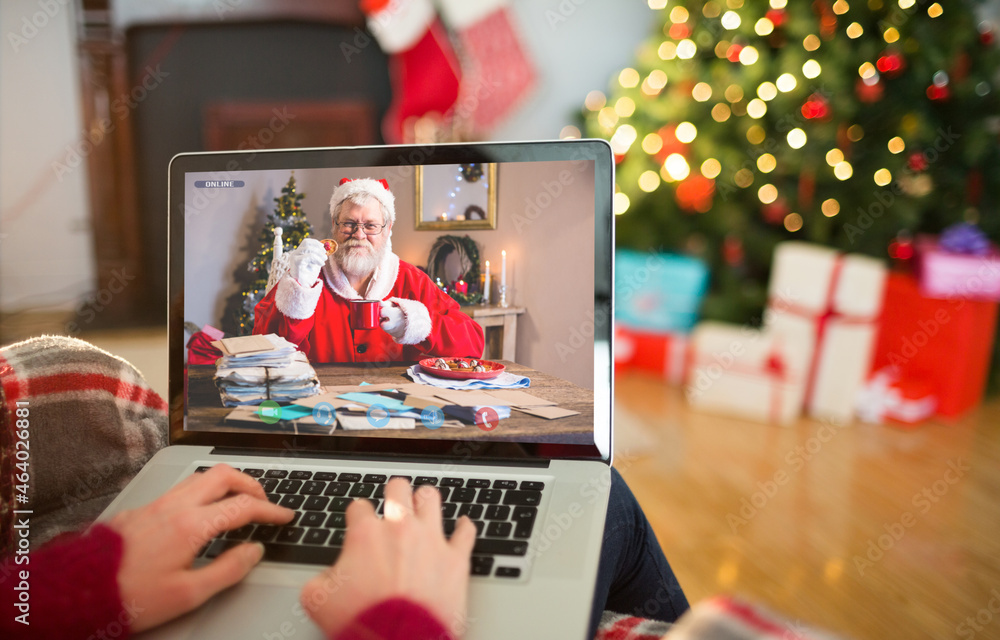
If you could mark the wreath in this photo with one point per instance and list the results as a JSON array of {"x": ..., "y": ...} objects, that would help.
[
  {"x": 472, "y": 172},
  {"x": 468, "y": 257}
]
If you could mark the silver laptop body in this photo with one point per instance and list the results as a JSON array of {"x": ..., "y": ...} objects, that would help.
[{"x": 544, "y": 193}]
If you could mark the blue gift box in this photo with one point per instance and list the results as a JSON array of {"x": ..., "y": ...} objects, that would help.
[{"x": 658, "y": 291}]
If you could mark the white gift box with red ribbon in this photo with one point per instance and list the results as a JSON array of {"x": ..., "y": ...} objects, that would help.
[
  {"x": 743, "y": 372},
  {"x": 886, "y": 397},
  {"x": 826, "y": 306}
]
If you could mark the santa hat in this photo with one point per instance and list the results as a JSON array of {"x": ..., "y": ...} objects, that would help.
[{"x": 349, "y": 189}]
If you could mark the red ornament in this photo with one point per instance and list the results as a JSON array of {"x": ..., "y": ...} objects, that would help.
[
  {"x": 938, "y": 93},
  {"x": 917, "y": 162},
  {"x": 733, "y": 53},
  {"x": 775, "y": 212},
  {"x": 776, "y": 16},
  {"x": 986, "y": 33},
  {"x": 869, "y": 92},
  {"x": 901, "y": 249},
  {"x": 695, "y": 193},
  {"x": 816, "y": 107},
  {"x": 891, "y": 64},
  {"x": 732, "y": 250}
]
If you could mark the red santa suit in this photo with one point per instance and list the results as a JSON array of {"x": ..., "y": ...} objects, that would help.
[{"x": 317, "y": 318}]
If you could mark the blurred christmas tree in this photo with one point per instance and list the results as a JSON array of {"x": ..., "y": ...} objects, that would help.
[
  {"x": 854, "y": 124},
  {"x": 287, "y": 215}
]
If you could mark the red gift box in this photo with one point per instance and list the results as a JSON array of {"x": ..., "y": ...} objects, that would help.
[
  {"x": 664, "y": 354},
  {"x": 946, "y": 342}
]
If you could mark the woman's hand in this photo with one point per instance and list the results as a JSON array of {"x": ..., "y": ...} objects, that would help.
[
  {"x": 405, "y": 554},
  {"x": 162, "y": 538}
]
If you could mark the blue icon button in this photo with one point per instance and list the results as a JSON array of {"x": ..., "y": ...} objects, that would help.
[
  {"x": 378, "y": 416},
  {"x": 432, "y": 417},
  {"x": 325, "y": 414}
]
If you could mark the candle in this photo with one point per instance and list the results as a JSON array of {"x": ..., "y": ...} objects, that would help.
[
  {"x": 462, "y": 287},
  {"x": 486, "y": 285},
  {"x": 503, "y": 269}
]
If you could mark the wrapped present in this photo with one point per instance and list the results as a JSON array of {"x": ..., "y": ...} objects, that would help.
[
  {"x": 961, "y": 263},
  {"x": 945, "y": 342},
  {"x": 743, "y": 372},
  {"x": 826, "y": 305},
  {"x": 658, "y": 291},
  {"x": 887, "y": 397},
  {"x": 664, "y": 354}
]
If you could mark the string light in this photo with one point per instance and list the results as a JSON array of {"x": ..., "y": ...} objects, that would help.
[
  {"x": 778, "y": 4},
  {"x": 667, "y": 50},
  {"x": 686, "y": 49},
  {"x": 855, "y": 132},
  {"x": 840, "y": 7},
  {"x": 656, "y": 79},
  {"x": 701, "y": 91},
  {"x": 793, "y": 222},
  {"x": 620, "y": 203},
  {"x": 830, "y": 207},
  {"x": 811, "y": 42},
  {"x": 768, "y": 193},
  {"x": 734, "y": 93},
  {"x": 906, "y": 4},
  {"x": 731, "y": 20},
  {"x": 711, "y": 168},
  {"x": 679, "y": 15},
  {"x": 796, "y": 138},
  {"x": 686, "y": 132},
  {"x": 786, "y": 82},
  {"x": 676, "y": 166},
  {"x": 896, "y": 145},
  {"x": 811, "y": 69},
  {"x": 569, "y": 131},
  {"x": 649, "y": 181},
  {"x": 843, "y": 170},
  {"x": 607, "y": 117},
  {"x": 756, "y": 108},
  {"x": 756, "y": 134},
  {"x": 595, "y": 100},
  {"x": 652, "y": 143},
  {"x": 623, "y": 138},
  {"x": 748, "y": 56},
  {"x": 721, "y": 112},
  {"x": 891, "y": 35},
  {"x": 766, "y": 163},
  {"x": 711, "y": 9},
  {"x": 763, "y": 27},
  {"x": 743, "y": 178},
  {"x": 883, "y": 177},
  {"x": 625, "y": 106},
  {"x": 935, "y": 10},
  {"x": 656, "y": 5},
  {"x": 628, "y": 78},
  {"x": 767, "y": 91},
  {"x": 867, "y": 70},
  {"x": 834, "y": 157}
]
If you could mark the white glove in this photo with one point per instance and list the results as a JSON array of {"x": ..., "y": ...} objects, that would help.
[
  {"x": 393, "y": 321},
  {"x": 305, "y": 262}
]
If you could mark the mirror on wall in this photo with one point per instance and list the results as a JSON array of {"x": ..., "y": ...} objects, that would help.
[{"x": 456, "y": 196}]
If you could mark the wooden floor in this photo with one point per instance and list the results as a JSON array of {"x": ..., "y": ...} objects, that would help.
[{"x": 869, "y": 531}]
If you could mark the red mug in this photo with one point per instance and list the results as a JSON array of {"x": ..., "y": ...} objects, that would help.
[{"x": 365, "y": 314}]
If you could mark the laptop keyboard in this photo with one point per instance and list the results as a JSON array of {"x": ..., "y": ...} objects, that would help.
[{"x": 503, "y": 511}]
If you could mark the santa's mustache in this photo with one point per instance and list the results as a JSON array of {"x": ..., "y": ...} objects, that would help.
[{"x": 356, "y": 243}]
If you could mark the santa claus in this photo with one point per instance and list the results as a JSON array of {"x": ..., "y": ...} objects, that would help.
[{"x": 310, "y": 305}]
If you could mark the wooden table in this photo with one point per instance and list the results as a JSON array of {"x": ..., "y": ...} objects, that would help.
[
  {"x": 500, "y": 326},
  {"x": 205, "y": 410}
]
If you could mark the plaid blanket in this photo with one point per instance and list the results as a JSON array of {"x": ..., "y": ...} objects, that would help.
[{"x": 91, "y": 421}]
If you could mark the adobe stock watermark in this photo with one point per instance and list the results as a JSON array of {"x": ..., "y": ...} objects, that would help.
[
  {"x": 96, "y": 303},
  {"x": 564, "y": 11},
  {"x": 795, "y": 460},
  {"x": 984, "y": 617},
  {"x": 32, "y": 25},
  {"x": 121, "y": 108},
  {"x": 923, "y": 501}
]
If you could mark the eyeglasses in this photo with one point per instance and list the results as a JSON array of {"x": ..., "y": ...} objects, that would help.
[{"x": 370, "y": 228}]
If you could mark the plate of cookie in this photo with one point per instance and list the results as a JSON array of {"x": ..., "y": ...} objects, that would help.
[{"x": 461, "y": 368}]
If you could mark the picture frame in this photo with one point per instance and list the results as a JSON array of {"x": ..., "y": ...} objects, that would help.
[{"x": 456, "y": 197}]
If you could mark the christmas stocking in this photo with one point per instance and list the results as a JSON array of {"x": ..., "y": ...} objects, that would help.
[
  {"x": 424, "y": 70},
  {"x": 498, "y": 74}
]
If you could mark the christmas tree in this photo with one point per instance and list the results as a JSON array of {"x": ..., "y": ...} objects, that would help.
[
  {"x": 289, "y": 217},
  {"x": 851, "y": 123}
]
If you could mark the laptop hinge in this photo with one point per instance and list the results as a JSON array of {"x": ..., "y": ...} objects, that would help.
[{"x": 535, "y": 463}]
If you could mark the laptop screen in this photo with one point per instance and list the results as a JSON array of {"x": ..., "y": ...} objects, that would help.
[{"x": 423, "y": 300}]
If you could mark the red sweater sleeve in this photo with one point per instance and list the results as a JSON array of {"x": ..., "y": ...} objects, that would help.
[
  {"x": 71, "y": 586},
  {"x": 395, "y": 619}
]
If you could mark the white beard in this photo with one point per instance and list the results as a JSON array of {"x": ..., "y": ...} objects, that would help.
[{"x": 359, "y": 263}]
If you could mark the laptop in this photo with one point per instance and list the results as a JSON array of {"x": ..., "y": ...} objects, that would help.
[{"x": 535, "y": 477}]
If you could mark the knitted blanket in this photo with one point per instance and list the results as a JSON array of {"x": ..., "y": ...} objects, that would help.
[{"x": 86, "y": 422}]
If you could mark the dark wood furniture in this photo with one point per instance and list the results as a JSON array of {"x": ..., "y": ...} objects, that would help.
[{"x": 205, "y": 410}]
